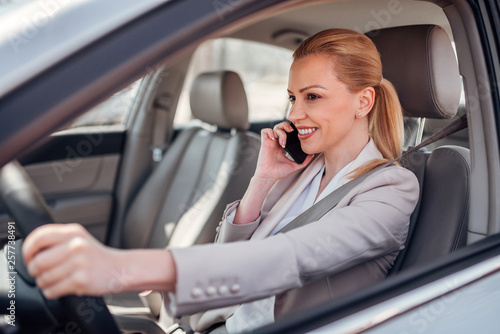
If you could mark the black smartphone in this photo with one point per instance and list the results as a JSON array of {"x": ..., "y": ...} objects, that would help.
[{"x": 293, "y": 146}]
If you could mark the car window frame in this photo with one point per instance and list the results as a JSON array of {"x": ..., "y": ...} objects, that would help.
[{"x": 122, "y": 56}]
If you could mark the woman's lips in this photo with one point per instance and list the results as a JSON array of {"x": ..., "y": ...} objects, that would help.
[{"x": 305, "y": 132}]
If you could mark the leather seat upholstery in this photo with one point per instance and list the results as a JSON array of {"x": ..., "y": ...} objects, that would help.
[
  {"x": 420, "y": 62},
  {"x": 183, "y": 199}
]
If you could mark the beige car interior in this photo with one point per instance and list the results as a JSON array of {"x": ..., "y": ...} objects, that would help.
[
  {"x": 439, "y": 224},
  {"x": 177, "y": 198},
  {"x": 78, "y": 189},
  {"x": 202, "y": 171},
  {"x": 182, "y": 201}
]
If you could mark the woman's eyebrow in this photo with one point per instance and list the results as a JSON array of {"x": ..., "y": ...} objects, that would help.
[{"x": 308, "y": 87}]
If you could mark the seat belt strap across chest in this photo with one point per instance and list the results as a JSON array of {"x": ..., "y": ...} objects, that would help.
[{"x": 319, "y": 209}]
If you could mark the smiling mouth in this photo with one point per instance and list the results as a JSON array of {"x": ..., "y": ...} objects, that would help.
[{"x": 306, "y": 131}]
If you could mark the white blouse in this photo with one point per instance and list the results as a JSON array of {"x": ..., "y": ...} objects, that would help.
[{"x": 261, "y": 312}]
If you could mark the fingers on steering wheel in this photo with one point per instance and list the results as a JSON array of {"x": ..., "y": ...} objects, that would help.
[
  {"x": 47, "y": 236},
  {"x": 47, "y": 259},
  {"x": 54, "y": 276},
  {"x": 72, "y": 283}
]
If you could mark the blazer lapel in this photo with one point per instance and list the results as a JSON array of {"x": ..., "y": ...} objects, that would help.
[
  {"x": 285, "y": 198},
  {"x": 286, "y": 191}
]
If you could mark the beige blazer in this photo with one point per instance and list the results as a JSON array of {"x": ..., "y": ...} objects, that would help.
[{"x": 352, "y": 246}]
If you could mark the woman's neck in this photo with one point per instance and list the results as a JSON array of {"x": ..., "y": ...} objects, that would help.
[{"x": 338, "y": 159}]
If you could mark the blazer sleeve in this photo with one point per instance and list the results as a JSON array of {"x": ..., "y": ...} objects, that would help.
[
  {"x": 229, "y": 232},
  {"x": 369, "y": 222}
]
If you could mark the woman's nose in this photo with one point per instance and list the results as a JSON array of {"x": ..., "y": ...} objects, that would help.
[{"x": 296, "y": 113}]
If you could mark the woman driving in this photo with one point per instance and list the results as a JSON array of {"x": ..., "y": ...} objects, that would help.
[{"x": 349, "y": 122}]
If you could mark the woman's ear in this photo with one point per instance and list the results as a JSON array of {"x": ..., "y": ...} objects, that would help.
[{"x": 366, "y": 100}]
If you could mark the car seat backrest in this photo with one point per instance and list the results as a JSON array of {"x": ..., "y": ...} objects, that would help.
[
  {"x": 420, "y": 62},
  {"x": 182, "y": 201}
]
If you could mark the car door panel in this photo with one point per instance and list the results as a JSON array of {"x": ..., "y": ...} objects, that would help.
[
  {"x": 76, "y": 174},
  {"x": 88, "y": 175},
  {"x": 92, "y": 211},
  {"x": 81, "y": 192}
]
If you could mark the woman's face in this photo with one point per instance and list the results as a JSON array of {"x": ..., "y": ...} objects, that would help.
[{"x": 323, "y": 109}]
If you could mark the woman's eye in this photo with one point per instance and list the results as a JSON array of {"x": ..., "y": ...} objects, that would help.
[
  {"x": 312, "y": 97},
  {"x": 291, "y": 98}
]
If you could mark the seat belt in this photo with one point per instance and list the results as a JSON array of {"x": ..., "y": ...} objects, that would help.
[
  {"x": 161, "y": 128},
  {"x": 319, "y": 209}
]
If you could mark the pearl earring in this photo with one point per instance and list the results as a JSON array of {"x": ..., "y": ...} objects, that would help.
[{"x": 360, "y": 114}]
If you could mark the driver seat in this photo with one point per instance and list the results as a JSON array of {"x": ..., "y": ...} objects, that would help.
[{"x": 420, "y": 62}]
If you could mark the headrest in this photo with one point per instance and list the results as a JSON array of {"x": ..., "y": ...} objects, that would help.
[
  {"x": 420, "y": 62},
  {"x": 219, "y": 98}
]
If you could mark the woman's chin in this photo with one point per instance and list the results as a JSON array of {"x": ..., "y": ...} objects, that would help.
[{"x": 308, "y": 150}]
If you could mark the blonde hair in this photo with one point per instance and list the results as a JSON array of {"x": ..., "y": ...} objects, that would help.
[{"x": 358, "y": 65}]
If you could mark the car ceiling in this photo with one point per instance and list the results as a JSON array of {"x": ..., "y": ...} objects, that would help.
[{"x": 306, "y": 18}]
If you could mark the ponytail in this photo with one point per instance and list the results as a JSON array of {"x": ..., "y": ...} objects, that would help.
[{"x": 385, "y": 126}]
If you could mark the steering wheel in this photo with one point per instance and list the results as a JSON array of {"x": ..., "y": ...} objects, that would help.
[{"x": 27, "y": 206}]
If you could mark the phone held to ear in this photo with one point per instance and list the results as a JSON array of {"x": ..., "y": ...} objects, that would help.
[{"x": 293, "y": 146}]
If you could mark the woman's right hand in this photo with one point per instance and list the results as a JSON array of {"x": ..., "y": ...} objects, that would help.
[
  {"x": 271, "y": 166},
  {"x": 272, "y": 163},
  {"x": 65, "y": 259}
]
